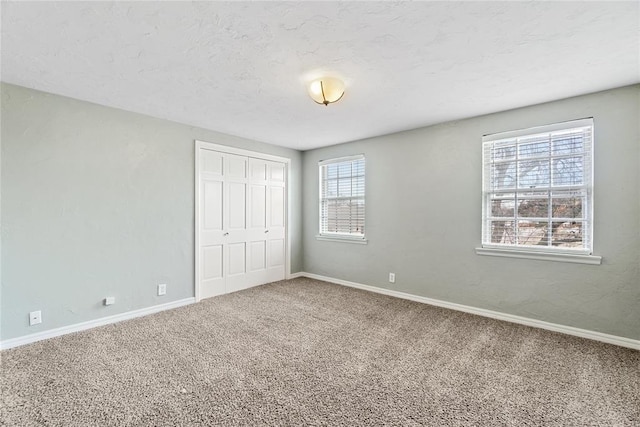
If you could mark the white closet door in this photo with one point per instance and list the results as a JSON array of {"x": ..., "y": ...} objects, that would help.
[
  {"x": 266, "y": 221},
  {"x": 276, "y": 221},
  {"x": 242, "y": 222},
  {"x": 211, "y": 229},
  {"x": 257, "y": 220},
  {"x": 235, "y": 224}
]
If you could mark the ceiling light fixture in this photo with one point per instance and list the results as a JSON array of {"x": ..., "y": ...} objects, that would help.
[{"x": 326, "y": 90}]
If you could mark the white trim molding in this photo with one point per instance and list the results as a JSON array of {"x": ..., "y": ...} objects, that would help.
[
  {"x": 64, "y": 330},
  {"x": 240, "y": 151},
  {"x": 341, "y": 159},
  {"x": 569, "y": 330},
  {"x": 541, "y": 256},
  {"x": 342, "y": 239}
]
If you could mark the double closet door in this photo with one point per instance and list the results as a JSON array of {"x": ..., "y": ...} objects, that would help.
[{"x": 242, "y": 222}]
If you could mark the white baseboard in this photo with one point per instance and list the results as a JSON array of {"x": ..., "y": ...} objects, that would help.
[
  {"x": 569, "y": 330},
  {"x": 31, "y": 338}
]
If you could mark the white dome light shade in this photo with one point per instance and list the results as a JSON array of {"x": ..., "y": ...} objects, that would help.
[{"x": 326, "y": 90}]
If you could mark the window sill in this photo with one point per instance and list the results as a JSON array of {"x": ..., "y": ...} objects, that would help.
[
  {"x": 541, "y": 256},
  {"x": 356, "y": 240}
]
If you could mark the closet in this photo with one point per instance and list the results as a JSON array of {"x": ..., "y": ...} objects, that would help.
[{"x": 241, "y": 207}]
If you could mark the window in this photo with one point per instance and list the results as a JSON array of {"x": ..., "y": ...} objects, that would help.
[
  {"x": 342, "y": 198},
  {"x": 537, "y": 189}
]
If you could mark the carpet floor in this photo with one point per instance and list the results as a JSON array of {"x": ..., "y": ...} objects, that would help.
[{"x": 305, "y": 352}]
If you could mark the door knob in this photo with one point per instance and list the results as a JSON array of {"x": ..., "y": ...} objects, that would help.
[
  {"x": 226, "y": 234},
  {"x": 266, "y": 231}
]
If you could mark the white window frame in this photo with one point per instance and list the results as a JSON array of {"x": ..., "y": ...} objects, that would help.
[
  {"x": 332, "y": 236},
  {"x": 579, "y": 255}
]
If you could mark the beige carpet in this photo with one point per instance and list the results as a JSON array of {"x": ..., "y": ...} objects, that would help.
[{"x": 305, "y": 352}]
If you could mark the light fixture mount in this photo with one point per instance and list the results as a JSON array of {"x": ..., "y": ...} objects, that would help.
[{"x": 326, "y": 90}]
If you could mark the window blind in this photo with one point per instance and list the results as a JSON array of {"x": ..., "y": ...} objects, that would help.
[
  {"x": 342, "y": 197},
  {"x": 538, "y": 188}
]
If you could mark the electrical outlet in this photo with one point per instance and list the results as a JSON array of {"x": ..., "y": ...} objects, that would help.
[
  {"x": 392, "y": 277},
  {"x": 162, "y": 289},
  {"x": 35, "y": 317},
  {"x": 109, "y": 300}
]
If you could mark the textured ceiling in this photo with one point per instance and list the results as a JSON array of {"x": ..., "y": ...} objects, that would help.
[{"x": 242, "y": 67}]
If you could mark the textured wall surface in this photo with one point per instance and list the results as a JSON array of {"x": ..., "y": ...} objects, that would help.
[
  {"x": 423, "y": 195},
  {"x": 99, "y": 202}
]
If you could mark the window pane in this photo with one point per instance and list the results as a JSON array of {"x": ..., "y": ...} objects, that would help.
[
  {"x": 344, "y": 169},
  {"x": 567, "y": 234},
  {"x": 503, "y": 175},
  {"x": 571, "y": 143},
  {"x": 566, "y": 205},
  {"x": 344, "y": 187},
  {"x": 331, "y": 171},
  {"x": 345, "y": 216},
  {"x": 358, "y": 186},
  {"x": 357, "y": 216},
  {"x": 337, "y": 216},
  {"x": 533, "y": 173},
  {"x": 534, "y": 147},
  {"x": 504, "y": 150},
  {"x": 503, "y": 232},
  {"x": 331, "y": 188},
  {"x": 502, "y": 207},
  {"x": 532, "y": 233},
  {"x": 533, "y": 208},
  {"x": 568, "y": 171}
]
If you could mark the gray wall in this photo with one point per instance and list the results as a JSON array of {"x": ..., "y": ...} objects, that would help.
[
  {"x": 99, "y": 202},
  {"x": 423, "y": 212}
]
